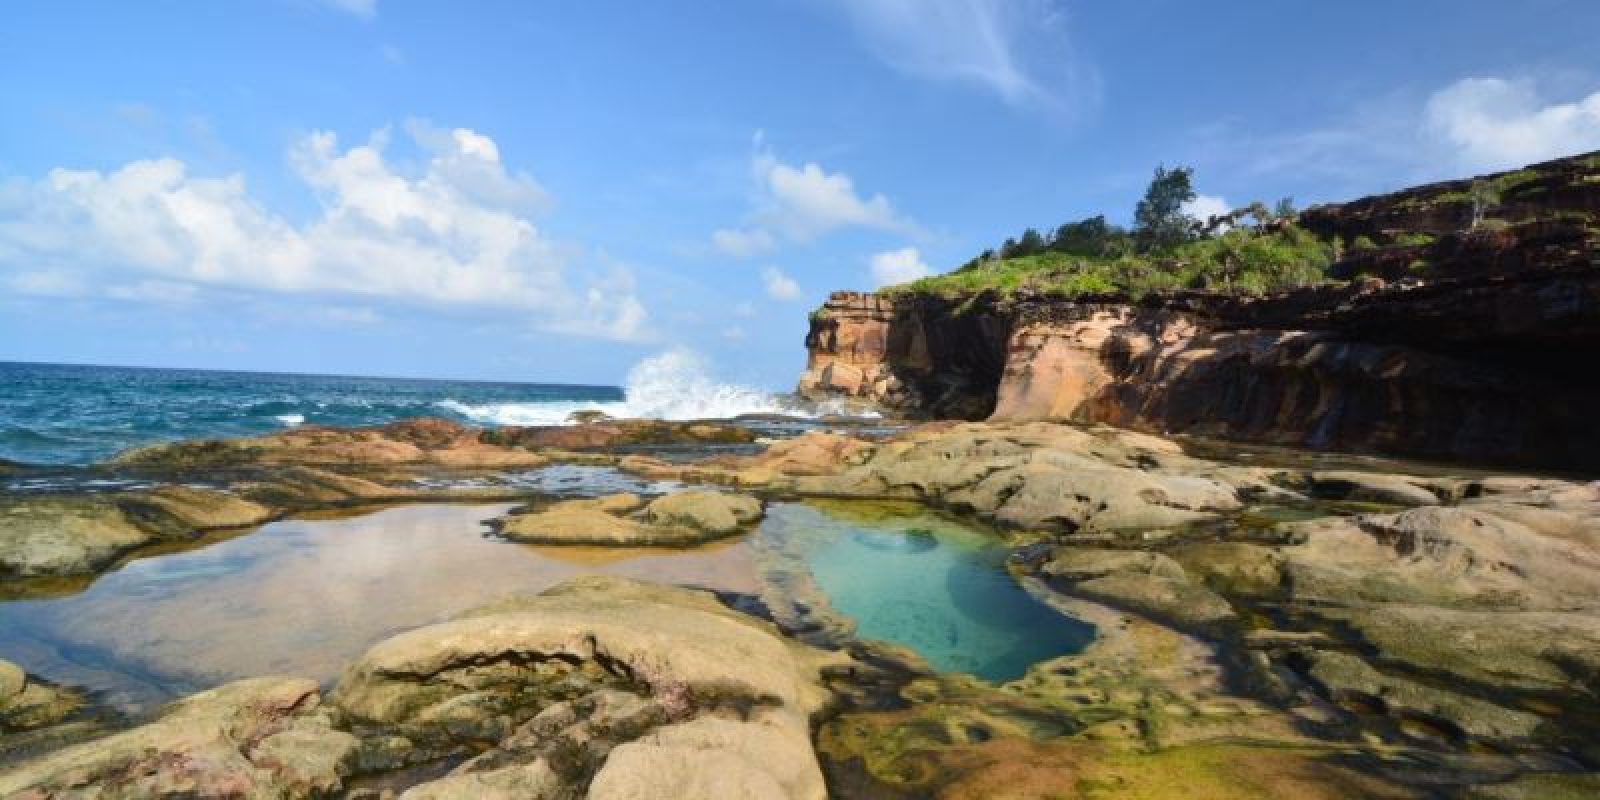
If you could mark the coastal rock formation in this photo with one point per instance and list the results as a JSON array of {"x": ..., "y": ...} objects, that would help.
[
  {"x": 82, "y": 534},
  {"x": 1035, "y": 477},
  {"x": 1452, "y": 347},
  {"x": 26, "y": 703},
  {"x": 263, "y": 737},
  {"x": 599, "y": 688},
  {"x": 419, "y": 441},
  {"x": 627, "y": 520},
  {"x": 646, "y": 691}
]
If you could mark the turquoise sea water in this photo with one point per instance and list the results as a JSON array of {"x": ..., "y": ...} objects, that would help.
[{"x": 920, "y": 580}]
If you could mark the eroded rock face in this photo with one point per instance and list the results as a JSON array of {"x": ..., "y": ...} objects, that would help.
[
  {"x": 263, "y": 737},
  {"x": 1466, "y": 363},
  {"x": 643, "y": 688},
  {"x": 627, "y": 520}
]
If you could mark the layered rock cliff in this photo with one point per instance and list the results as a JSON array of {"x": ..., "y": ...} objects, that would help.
[{"x": 1456, "y": 337}]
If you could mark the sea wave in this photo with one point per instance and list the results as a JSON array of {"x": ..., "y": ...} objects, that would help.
[
  {"x": 291, "y": 420},
  {"x": 675, "y": 385}
]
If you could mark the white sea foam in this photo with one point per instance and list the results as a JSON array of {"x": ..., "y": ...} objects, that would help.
[
  {"x": 676, "y": 384},
  {"x": 291, "y": 420}
]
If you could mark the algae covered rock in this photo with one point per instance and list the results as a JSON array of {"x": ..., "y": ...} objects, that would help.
[
  {"x": 626, "y": 520},
  {"x": 654, "y": 686},
  {"x": 263, "y": 737},
  {"x": 81, "y": 534},
  {"x": 710, "y": 513}
]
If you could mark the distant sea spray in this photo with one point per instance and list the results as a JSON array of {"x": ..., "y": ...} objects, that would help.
[
  {"x": 677, "y": 384},
  {"x": 69, "y": 414}
]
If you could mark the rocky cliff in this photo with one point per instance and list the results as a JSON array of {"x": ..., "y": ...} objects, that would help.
[{"x": 1465, "y": 327}]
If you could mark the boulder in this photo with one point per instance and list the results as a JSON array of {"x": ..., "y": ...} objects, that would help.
[
  {"x": 263, "y": 737},
  {"x": 666, "y": 690},
  {"x": 675, "y": 520},
  {"x": 1142, "y": 582},
  {"x": 1369, "y": 487},
  {"x": 710, "y": 513}
]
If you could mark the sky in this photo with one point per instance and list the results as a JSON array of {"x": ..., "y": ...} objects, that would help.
[{"x": 553, "y": 191}]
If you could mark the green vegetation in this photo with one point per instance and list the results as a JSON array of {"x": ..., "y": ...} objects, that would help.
[{"x": 1254, "y": 249}]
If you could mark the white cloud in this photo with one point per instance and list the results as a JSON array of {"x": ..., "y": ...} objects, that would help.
[
  {"x": 734, "y": 333},
  {"x": 1492, "y": 123},
  {"x": 455, "y": 233},
  {"x": 745, "y": 309},
  {"x": 1017, "y": 49},
  {"x": 1205, "y": 206},
  {"x": 898, "y": 266},
  {"x": 801, "y": 203},
  {"x": 779, "y": 285}
]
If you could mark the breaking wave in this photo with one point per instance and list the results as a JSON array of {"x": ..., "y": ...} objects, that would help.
[{"x": 677, "y": 385}]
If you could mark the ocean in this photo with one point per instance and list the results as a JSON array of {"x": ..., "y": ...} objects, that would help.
[{"x": 59, "y": 414}]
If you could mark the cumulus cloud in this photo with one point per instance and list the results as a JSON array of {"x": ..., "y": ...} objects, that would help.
[
  {"x": 898, "y": 266},
  {"x": 1017, "y": 49},
  {"x": 456, "y": 232},
  {"x": 779, "y": 285},
  {"x": 1205, "y": 206},
  {"x": 1492, "y": 123},
  {"x": 801, "y": 203}
]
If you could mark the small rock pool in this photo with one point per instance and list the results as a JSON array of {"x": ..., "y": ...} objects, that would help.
[{"x": 912, "y": 577}]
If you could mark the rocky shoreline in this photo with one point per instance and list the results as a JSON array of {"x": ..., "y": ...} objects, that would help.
[{"x": 1264, "y": 629}]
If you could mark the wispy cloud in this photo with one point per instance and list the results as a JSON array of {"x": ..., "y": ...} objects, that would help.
[
  {"x": 1019, "y": 50},
  {"x": 456, "y": 232}
]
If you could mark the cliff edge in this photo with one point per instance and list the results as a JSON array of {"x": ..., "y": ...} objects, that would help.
[{"x": 1469, "y": 335}]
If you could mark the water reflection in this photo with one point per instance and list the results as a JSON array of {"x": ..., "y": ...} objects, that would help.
[{"x": 306, "y": 597}]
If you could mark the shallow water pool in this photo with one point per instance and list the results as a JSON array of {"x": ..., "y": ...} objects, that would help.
[
  {"x": 306, "y": 597},
  {"x": 913, "y": 577}
]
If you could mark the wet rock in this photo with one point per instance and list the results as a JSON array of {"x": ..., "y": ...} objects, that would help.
[
  {"x": 656, "y": 686},
  {"x": 1033, "y": 476},
  {"x": 81, "y": 534},
  {"x": 409, "y": 442},
  {"x": 27, "y": 704},
  {"x": 709, "y": 513},
  {"x": 12, "y": 679},
  {"x": 1142, "y": 582},
  {"x": 619, "y": 433},
  {"x": 1459, "y": 555},
  {"x": 1233, "y": 568},
  {"x": 1368, "y": 487},
  {"x": 264, "y": 737},
  {"x": 1343, "y": 675},
  {"x": 1540, "y": 651},
  {"x": 674, "y": 520}
]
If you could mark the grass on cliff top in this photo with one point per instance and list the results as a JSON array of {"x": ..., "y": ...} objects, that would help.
[{"x": 1241, "y": 260}]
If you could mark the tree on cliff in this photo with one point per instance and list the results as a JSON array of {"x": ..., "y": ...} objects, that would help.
[{"x": 1159, "y": 222}]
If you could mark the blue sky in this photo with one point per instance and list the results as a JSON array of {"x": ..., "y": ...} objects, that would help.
[{"x": 553, "y": 191}]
